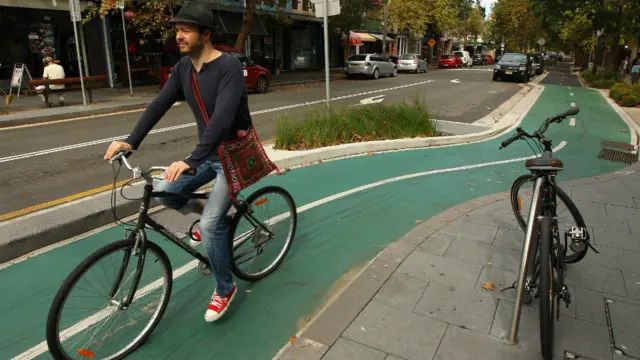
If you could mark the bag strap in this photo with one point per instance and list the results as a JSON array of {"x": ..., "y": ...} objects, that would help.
[{"x": 196, "y": 93}]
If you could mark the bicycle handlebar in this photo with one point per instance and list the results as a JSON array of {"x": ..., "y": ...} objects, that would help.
[
  {"x": 520, "y": 133},
  {"x": 122, "y": 158}
]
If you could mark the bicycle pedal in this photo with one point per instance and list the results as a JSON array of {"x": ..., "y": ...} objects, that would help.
[{"x": 577, "y": 233}]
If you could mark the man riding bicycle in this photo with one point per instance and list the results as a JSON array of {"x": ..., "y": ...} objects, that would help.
[{"x": 219, "y": 82}]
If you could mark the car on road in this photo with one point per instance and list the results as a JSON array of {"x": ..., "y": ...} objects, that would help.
[
  {"x": 412, "y": 62},
  {"x": 538, "y": 63},
  {"x": 373, "y": 65},
  {"x": 467, "y": 61},
  {"x": 517, "y": 66},
  {"x": 449, "y": 61},
  {"x": 480, "y": 59},
  {"x": 256, "y": 77}
]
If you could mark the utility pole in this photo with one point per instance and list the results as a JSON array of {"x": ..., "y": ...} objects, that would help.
[{"x": 385, "y": 26}]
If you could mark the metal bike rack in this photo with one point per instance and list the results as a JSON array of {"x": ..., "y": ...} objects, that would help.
[{"x": 524, "y": 263}]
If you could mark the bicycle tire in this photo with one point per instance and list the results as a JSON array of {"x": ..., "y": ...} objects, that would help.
[
  {"x": 547, "y": 293},
  {"x": 573, "y": 209},
  {"x": 53, "y": 341},
  {"x": 236, "y": 220}
]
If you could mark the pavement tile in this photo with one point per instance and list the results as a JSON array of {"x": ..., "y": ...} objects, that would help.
[
  {"x": 443, "y": 219},
  {"x": 618, "y": 236},
  {"x": 510, "y": 239},
  {"x": 464, "y": 344},
  {"x": 634, "y": 227},
  {"x": 338, "y": 315},
  {"x": 622, "y": 212},
  {"x": 396, "y": 332},
  {"x": 570, "y": 334},
  {"x": 471, "y": 231},
  {"x": 347, "y": 349},
  {"x": 391, "y": 357},
  {"x": 484, "y": 254},
  {"x": 465, "y": 308},
  {"x": 629, "y": 342},
  {"x": 616, "y": 196},
  {"x": 436, "y": 244},
  {"x": 492, "y": 218},
  {"x": 395, "y": 253},
  {"x": 596, "y": 278},
  {"x": 442, "y": 270},
  {"x": 632, "y": 283},
  {"x": 614, "y": 258},
  {"x": 417, "y": 235},
  {"x": 304, "y": 349},
  {"x": 401, "y": 292},
  {"x": 624, "y": 315},
  {"x": 502, "y": 206},
  {"x": 589, "y": 305},
  {"x": 501, "y": 280}
]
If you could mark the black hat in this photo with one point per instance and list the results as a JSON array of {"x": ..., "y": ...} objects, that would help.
[{"x": 194, "y": 13}]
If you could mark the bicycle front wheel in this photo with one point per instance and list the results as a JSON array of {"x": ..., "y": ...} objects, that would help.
[
  {"x": 567, "y": 214},
  {"x": 260, "y": 238},
  {"x": 546, "y": 290},
  {"x": 90, "y": 317}
]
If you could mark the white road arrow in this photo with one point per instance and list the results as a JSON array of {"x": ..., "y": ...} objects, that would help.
[
  {"x": 455, "y": 81},
  {"x": 372, "y": 100}
]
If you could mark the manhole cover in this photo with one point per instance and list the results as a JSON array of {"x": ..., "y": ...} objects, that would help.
[
  {"x": 617, "y": 145},
  {"x": 622, "y": 320},
  {"x": 618, "y": 156}
]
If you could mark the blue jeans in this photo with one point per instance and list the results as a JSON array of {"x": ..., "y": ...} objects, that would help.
[{"x": 212, "y": 221}]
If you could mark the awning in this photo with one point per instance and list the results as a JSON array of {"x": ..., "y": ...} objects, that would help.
[
  {"x": 381, "y": 37},
  {"x": 231, "y": 24},
  {"x": 61, "y": 5},
  {"x": 365, "y": 37}
]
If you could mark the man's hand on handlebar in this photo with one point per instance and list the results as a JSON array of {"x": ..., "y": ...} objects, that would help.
[
  {"x": 175, "y": 170},
  {"x": 115, "y": 147}
]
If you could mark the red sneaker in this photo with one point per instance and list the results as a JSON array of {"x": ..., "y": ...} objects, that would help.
[
  {"x": 219, "y": 305},
  {"x": 195, "y": 239}
]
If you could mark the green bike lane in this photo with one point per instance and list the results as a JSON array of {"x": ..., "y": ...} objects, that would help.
[{"x": 333, "y": 239}]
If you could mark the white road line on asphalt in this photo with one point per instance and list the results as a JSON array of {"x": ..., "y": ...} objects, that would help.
[
  {"x": 572, "y": 122},
  {"x": 87, "y": 322},
  {"x": 177, "y": 127}
]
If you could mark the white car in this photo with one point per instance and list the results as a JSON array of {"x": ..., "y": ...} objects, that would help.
[{"x": 467, "y": 61}]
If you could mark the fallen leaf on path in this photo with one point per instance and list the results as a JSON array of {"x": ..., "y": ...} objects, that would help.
[
  {"x": 489, "y": 286},
  {"x": 370, "y": 153},
  {"x": 292, "y": 339},
  {"x": 419, "y": 221}
]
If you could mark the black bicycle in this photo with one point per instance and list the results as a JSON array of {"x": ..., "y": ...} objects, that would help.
[
  {"x": 89, "y": 326},
  {"x": 547, "y": 273}
]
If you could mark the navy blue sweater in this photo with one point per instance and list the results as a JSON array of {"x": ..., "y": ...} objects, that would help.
[{"x": 223, "y": 92}]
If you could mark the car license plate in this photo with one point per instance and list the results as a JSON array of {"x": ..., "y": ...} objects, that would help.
[
  {"x": 445, "y": 65},
  {"x": 508, "y": 72}
]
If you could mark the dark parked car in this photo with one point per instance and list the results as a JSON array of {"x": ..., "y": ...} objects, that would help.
[
  {"x": 538, "y": 63},
  {"x": 480, "y": 59},
  {"x": 517, "y": 66}
]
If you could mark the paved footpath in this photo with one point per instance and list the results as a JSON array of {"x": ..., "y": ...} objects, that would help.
[{"x": 337, "y": 236}]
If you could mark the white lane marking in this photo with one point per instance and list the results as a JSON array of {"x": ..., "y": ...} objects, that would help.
[
  {"x": 372, "y": 100},
  {"x": 571, "y": 94},
  {"x": 455, "y": 81},
  {"x": 573, "y": 104},
  {"x": 170, "y": 128},
  {"x": 87, "y": 322},
  {"x": 572, "y": 122}
]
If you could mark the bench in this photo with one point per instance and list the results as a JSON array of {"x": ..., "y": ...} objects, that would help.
[{"x": 71, "y": 84}]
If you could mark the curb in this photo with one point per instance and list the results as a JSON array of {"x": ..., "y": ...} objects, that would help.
[
  {"x": 317, "y": 337},
  {"x": 634, "y": 128},
  {"x": 69, "y": 116},
  {"x": 25, "y": 234},
  {"x": 309, "y": 81}
]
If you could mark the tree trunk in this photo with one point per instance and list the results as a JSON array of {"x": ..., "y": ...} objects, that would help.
[{"x": 246, "y": 25}]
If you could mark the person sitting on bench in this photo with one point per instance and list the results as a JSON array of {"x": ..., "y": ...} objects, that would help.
[{"x": 51, "y": 71}]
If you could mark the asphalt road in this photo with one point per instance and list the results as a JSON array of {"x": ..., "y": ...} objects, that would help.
[{"x": 30, "y": 179}]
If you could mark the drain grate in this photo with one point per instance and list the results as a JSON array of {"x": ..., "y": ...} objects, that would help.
[
  {"x": 617, "y": 145},
  {"x": 618, "y": 156}
]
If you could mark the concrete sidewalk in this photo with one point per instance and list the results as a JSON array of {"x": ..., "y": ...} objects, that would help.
[{"x": 422, "y": 297}]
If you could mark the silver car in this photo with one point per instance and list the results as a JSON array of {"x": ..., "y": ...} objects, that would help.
[
  {"x": 412, "y": 62},
  {"x": 374, "y": 65}
]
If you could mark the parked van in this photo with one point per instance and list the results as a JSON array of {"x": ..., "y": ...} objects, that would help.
[{"x": 467, "y": 61}]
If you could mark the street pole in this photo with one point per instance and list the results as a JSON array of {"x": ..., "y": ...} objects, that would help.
[
  {"x": 326, "y": 53},
  {"x": 74, "y": 5},
  {"x": 126, "y": 49}
]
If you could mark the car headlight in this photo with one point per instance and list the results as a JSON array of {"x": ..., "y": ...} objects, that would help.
[
  {"x": 498, "y": 67},
  {"x": 522, "y": 68}
]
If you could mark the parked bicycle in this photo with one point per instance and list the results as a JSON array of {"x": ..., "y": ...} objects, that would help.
[
  {"x": 546, "y": 274},
  {"x": 95, "y": 333}
]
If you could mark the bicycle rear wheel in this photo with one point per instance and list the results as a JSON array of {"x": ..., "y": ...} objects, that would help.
[
  {"x": 97, "y": 333},
  {"x": 567, "y": 213},
  {"x": 546, "y": 289},
  {"x": 257, "y": 248}
]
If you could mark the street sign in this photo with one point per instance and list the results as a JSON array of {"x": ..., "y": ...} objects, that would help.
[
  {"x": 75, "y": 10},
  {"x": 431, "y": 42},
  {"x": 120, "y": 4},
  {"x": 332, "y": 5},
  {"x": 541, "y": 42}
]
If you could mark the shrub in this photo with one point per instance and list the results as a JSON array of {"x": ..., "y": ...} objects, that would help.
[
  {"x": 320, "y": 127},
  {"x": 618, "y": 90},
  {"x": 603, "y": 83},
  {"x": 601, "y": 79},
  {"x": 630, "y": 100}
]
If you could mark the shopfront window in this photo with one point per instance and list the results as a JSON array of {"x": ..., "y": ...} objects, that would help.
[{"x": 303, "y": 48}]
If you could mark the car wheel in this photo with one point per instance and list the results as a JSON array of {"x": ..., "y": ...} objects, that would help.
[
  {"x": 262, "y": 85},
  {"x": 395, "y": 72},
  {"x": 495, "y": 78},
  {"x": 376, "y": 74}
]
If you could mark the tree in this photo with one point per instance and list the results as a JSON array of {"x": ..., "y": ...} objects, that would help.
[
  {"x": 352, "y": 14},
  {"x": 475, "y": 24},
  {"x": 515, "y": 23},
  {"x": 415, "y": 15}
]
